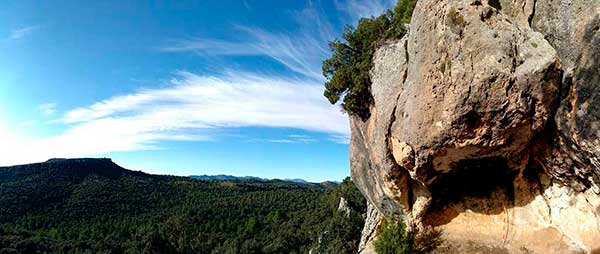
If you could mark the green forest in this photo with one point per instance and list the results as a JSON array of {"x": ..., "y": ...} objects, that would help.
[{"x": 95, "y": 206}]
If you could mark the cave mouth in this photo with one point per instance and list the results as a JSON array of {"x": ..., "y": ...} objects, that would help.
[{"x": 473, "y": 178}]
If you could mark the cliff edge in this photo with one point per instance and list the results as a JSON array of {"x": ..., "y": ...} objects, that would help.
[{"x": 485, "y": 127}]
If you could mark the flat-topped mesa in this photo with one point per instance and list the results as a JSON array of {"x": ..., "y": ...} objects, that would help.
[
  {"x": 80, "y": 160},
  {"x": 78, "y": 168},
  {"x": 485, "y": 126}
]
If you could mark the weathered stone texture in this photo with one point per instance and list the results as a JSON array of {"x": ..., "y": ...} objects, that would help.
[{"x": 485, "y": 126}]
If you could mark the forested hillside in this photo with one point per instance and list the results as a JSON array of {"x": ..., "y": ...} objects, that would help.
[{"x": 95, "y": 206}]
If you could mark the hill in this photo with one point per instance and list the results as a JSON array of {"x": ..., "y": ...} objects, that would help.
[
  {"x": 227, "y": 178},
  {"x": 96, "y": 206},
  {"x": 326, "y": 184}
]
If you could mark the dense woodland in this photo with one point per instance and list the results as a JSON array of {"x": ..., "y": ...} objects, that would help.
[{"x": 95, "y": 206}]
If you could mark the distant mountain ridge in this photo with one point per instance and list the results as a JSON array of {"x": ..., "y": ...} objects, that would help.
[
  {"x": 106, "y": 166},
  {"x": 226, "y": 178},
  {"x": 242, "y": 178},
  {"x": 80, "y": 168}
]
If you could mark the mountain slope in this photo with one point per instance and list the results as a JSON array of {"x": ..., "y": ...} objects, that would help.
[{"x": 94, "y": 205}]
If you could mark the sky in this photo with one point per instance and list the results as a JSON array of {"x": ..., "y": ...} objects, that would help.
[{"x": 176, "y": 87}]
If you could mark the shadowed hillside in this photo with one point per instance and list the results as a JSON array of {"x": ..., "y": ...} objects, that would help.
[{"x": 96, "y": 206}]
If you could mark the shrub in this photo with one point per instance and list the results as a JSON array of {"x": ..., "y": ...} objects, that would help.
[
  {"x": 456, "y": 19},
  {"x": 347, "y": 71},
  {"x": 393, "y": 239}
]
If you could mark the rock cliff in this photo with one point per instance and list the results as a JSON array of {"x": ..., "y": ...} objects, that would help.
[{"x": 485, "y": 127}]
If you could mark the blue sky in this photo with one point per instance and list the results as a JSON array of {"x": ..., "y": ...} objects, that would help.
[{"x": 175, "y": 87}]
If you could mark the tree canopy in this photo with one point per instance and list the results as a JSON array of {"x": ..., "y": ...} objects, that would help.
[
  {"x": 347, "y": 71},
  {"x": 98, "y": 207},
  {"x": 393, "y": 238}
]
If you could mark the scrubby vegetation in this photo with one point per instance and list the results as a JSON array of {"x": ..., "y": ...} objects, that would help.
[
  {"x": 347, "y": 71},
  {"x": 97, "y": 207},
  {"x": 393, "y": 239}
]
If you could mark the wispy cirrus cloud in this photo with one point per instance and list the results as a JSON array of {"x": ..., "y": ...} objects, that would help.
[
  {"x": 302, "y": 51},
  {"x": 47, "y": 109},
  {"x": 247, "y": 5},
  {"x": 294, "y": 139},
  {"x": 357, "y": 9},
  {"x": 193, "y": 108},
  {"x": 230, "y": 100},
  {"x": 20, "y": 33},
  {"x": 301, "y": 55}
]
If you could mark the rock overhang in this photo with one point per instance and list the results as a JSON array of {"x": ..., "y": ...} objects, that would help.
[{"x": 466, "y": 108}]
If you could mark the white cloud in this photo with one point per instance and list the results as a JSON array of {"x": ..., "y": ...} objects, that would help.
[
  {"x": 302, "y": 51},
  {"x": 340, "y": 139},
  {"x": 299, "y": 136},
  {"x": 233, "y": 100},
  {"x": 247, "y": 5},
  {"x": 287, "y": 141},
  {"x": 357, "y": 9},
  {"x": 47, "y": 109},
  {"x": 27, "y": 123},
  {"x": 294, "y": 139},
  {"x": 194, "y": 107},
  {"x": 22, "y": 32},
  {"x": 302, "y": 55}
]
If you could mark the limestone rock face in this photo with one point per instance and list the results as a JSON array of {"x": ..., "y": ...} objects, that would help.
[
  {"x": 485, "y": 126},
  {"x": 573, "y": 28},
  {"x": 372, "y": 223}
]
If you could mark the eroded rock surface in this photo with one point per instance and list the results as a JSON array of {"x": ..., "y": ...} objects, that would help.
[
  {"x": 485, "y": 126},
  {"x": 372, "y": 223}
]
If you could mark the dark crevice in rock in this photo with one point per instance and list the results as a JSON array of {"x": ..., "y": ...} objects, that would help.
[
  {"x": 406, "y": 55},
  {"x": 411, "y": 195},
  {"x": 405, "y": 75},
  {"x": 565, "y": 90},
  {"x": 496, "y": 4},
  {"x": 532, "y": 14},
  {"x": 515, "y": 55},
  {"x": 397, "y": 173}
]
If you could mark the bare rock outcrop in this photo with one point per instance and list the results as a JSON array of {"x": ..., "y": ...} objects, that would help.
[
  {"x": 372, "y": 223},
  {"x": 344, "y": 207},
  {"x": 485, "y": 126}
]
